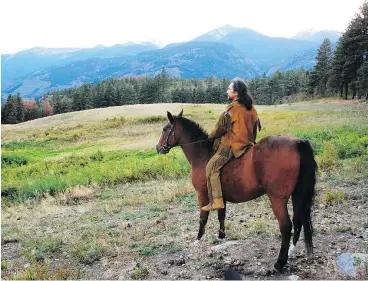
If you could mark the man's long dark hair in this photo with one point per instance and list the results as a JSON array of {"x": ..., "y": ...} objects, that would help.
[{"x": 244, "y": 96}]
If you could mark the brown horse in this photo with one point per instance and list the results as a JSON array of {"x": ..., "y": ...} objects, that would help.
[{"x": 279, "y": 166}]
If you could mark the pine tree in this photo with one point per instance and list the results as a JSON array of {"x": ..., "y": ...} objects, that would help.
[
  {"x": 201, "y": 92},
  {"x": 128, "y": 94},
  {"x": 56, "y": 102},
  {"x": 355, "y": 47},
  {"x": 176, "y": 95},
  {"x": 10, "y": 110},
  {"x": 335, "y": 80},
  {"x": 276, "y": 86},
  {"x": 76, "y": 100},
  {"x": 362, "y": 72},
  {"x": 109, "y": 96},
  {"x": 162, "y": 84},
  {"x": 148, "y": 91},
  {"x": 3, "y": 113},
  {"x": 362, "y": 82},
  {"x": 20, "y": 109},
  {"x": 323, "y": 65}
]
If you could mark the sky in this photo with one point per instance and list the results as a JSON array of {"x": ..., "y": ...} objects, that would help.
[{"x": 26, "y": 24}]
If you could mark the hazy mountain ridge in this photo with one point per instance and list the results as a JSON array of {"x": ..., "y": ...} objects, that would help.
[
  {"x": 227, "y": 51},
  {"x": 190, "y": 59}
]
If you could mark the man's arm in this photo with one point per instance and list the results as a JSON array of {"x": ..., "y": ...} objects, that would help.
[{"x": 223, "y": 126}]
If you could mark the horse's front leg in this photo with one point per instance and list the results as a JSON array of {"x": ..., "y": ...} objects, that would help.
[
  {"x": 203, "y": 216},
  {"x": 221, "y": 214}
]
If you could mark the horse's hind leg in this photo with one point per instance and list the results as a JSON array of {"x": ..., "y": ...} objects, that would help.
[
  {"x": 279, "y": 208},
  {"x": 221, "y": 214},
  {"x": 297, "y": 224}
]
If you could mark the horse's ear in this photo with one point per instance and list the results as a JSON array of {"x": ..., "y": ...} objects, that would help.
[
  {"x": 170, "y": 117},
  {"x": 181, "y": 113}
]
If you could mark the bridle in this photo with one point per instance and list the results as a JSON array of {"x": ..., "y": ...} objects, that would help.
[{"x": 168, "y": 146}]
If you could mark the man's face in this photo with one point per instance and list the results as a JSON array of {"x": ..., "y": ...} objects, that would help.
[{"x": 231, "y": 95}]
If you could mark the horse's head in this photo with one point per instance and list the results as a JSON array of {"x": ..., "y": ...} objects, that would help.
[{"x": 169, "y": 136}]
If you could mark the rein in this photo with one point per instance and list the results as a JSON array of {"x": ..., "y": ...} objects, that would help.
[{"x": 168, "y": 146}]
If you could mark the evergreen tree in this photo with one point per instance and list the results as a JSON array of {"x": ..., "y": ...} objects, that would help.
[
  {"x": 362, "y": 82},
  {"x": 87, "y": 96},
  {"x": 76, "y": 100},
  {"x": 10, "y": 110},
  {"x": 176, "y": 98},
  {"x": 110, "y": 97},
  {"x": 276, "y": 87},
  {"x": 335, "y": 80},
  {"x": 56, "y": 102},
  {"x": 3, "y": 113},
  {"x": 128, "y": 94},
  {"x": 322, "y": 67},
  {"x": 162, "y": 84},
  {"x": 20, "y": 109}
]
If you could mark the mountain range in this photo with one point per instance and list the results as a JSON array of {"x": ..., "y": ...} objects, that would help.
[{"x": 224, "y": 52}]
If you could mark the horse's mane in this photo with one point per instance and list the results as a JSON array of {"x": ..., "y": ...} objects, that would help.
[{"x": 195, "y": 132}]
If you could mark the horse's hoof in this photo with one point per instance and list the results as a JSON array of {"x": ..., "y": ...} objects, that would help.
[
  {"x": 292, "y": 250},
  {"x": 197, "y": 243},
  {"x": 221, "y": 235},
  {"x": 279, "y": 267}
]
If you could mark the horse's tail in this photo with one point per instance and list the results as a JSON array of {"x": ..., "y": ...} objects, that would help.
[{"x": 303, "y": 195}]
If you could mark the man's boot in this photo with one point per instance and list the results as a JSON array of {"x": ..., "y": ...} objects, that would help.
[{"x": 218, "y": 203}]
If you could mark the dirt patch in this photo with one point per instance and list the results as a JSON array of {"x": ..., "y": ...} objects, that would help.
[{"x": 156, "y": 241}]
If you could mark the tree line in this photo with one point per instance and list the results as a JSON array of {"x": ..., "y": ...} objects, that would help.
[
  {"x": 146, "y": 90},
  {"x": 16, "y": 110}
]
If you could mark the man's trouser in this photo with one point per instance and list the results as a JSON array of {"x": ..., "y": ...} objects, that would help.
[{"x": 214, "y": 165}]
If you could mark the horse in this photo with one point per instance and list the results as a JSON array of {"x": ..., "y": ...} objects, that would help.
[{"x": 279, "y": 166}]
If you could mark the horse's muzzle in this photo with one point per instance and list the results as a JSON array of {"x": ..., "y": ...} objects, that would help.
[{"x": 162, "y": 150}]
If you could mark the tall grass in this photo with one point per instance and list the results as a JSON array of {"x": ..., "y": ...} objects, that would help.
[{"x": 102, "y": 168}]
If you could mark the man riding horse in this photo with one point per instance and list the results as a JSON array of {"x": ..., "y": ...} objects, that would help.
[
  {"x": 280, "y": 166},
  {"x": 237, "y": 128}
]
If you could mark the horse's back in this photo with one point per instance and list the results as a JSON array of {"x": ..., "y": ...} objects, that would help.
[
  {"x": 269, "y": 164},
  {"x": 277, "y": 163}
]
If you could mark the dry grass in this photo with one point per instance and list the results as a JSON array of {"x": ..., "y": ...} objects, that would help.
[
  {"x": 76, "y": 194},
  {"x": 91, "y": 116}
]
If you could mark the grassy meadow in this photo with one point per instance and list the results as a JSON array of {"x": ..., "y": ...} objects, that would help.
[{"x": 85, "y": 195}]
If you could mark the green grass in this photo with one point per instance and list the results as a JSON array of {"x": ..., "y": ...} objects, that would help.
[
  {"x": 4, "y": 265},
  {"x": 332, "y": 197},
  {"x": 102, "y": 168},
  {"x": 343, "y": 228},
  {"x": 139, "y": 272},
  {"x": 86, "y": 252},
  {"x": 44, "y": 272},
  {"x": 40, "y": 249}
]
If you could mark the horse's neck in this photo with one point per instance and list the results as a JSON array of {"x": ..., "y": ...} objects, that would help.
[{"x": 196, "y": 153}]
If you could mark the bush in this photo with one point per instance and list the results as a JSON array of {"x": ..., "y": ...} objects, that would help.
[
  {"x": 139, "y": 272},
  {"x": 332, "y": 197},
  {"x": 9, "y": 160}
]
